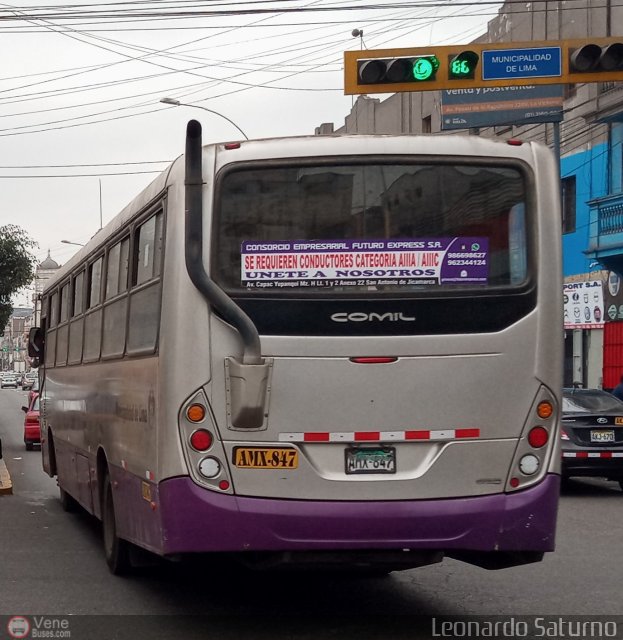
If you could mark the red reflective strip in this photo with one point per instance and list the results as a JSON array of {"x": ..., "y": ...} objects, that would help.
[
  {"x": 376, "y": 360},
  {"x": 315, "y": 437},
  {"x": 606, "y": 454},
  {"x": 581, "y": 454},
  {"x": 367, "y": 435},
  {"x": 467, "y": 433},
  {"x": 417, "y": 435}
]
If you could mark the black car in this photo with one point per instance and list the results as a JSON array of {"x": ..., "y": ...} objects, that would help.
[{"x": 592, "y": 434}]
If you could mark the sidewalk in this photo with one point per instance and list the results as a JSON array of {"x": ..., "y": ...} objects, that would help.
[{"x": 6, "y": 486}]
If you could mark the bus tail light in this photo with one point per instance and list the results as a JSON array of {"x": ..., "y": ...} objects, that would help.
[
  {"x": 209, "y": 468},
  {"x": 201, "y": 440},
  {"x": 196, "y": 412},
  {"x": 545, "y": 410},
  {"x": 535, "y": 445},
  {"x": 529, "y": 465},
  {"x": 538, "y": 437},
  {"x": 204, "y": 452}
]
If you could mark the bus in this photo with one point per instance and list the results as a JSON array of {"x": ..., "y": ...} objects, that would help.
[{"x": 335, "y": 350}]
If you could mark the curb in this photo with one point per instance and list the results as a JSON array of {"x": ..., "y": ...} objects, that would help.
[{"x": 6, "y": 486}]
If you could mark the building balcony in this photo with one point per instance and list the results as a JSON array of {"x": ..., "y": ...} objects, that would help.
[{"x": 605, "y": 244}]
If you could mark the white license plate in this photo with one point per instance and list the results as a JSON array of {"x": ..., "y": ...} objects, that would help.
[
  {"x": 603, "y": 435},
  {"x": 379, "y": 460}
]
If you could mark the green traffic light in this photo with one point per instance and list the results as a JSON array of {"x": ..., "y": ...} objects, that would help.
[
  {"x": 463, "y": 65},
  {"x": 425, "y": 68}
]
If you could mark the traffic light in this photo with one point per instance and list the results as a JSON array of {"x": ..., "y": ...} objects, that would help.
[
  {"x": 592, "y": 57},
  {"x": 484, "y": 65},
  {"x": 393, "y": 70},
  {"x": 463, "y": 65}
]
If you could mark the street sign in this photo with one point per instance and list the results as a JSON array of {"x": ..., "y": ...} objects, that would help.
[
  {"x": 535, "y": 62},
  {"x": 498, "y": 106}
]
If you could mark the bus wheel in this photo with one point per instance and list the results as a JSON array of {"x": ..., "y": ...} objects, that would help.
[
  {"x": 67, "y": 502},
  {"x": 116, "y": 550}
]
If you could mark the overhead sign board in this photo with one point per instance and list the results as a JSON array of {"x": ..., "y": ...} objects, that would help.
[
  {"x": 533, "y": 62},
  {"x": 498, "y": 106}
]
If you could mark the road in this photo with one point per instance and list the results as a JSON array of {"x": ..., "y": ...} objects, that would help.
[{"x": 51, "y": 563}]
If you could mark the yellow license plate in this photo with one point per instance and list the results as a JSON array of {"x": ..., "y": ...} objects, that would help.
[
  {"x": 266, "y": 458},
  {"x": 618, "y": 421}
]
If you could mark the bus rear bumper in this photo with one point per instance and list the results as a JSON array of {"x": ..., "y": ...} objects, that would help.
[{"x": 198, "y": 520}]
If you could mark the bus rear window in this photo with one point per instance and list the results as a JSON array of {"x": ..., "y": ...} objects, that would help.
[{"x": 370, "y": 227}]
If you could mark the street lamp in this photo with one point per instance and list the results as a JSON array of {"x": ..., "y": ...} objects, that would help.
[
  {"x": 177, "y": 103},
  {"x": 78, "y": 244}
]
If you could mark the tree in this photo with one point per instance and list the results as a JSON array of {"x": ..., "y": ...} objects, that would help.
[{"x": 17, "y": 266}]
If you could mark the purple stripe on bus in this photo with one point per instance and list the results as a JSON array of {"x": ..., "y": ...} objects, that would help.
[{"x": 196, "y": 519}]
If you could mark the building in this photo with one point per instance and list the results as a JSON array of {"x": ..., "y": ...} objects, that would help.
[
  {"x": 43, "y": 272},
  {"x": 14, "y": 341}
]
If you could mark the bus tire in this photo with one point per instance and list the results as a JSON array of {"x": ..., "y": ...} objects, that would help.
[
  {"x": 116, "y": 550},
  {"x": 67, "y": 502}
]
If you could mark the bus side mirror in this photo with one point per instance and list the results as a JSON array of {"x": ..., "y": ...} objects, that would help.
[{"x": 36, "y": 343}]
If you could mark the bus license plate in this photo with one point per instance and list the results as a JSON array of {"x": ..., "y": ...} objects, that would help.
[
  {"x": 266, "y": 458},
  {"x": 381, "y": 460},
  {"x": 603, "y": 435}
]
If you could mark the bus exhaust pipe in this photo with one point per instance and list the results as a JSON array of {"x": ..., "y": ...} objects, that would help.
[{"x": 247, "y": 381}]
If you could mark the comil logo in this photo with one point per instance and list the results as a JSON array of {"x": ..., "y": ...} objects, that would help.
[
  {"x": 18, "y": 627},
  {"x": 360, "y": 316}
]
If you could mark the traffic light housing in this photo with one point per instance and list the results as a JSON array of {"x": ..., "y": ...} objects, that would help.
[
  {"x": 478, "y": 65},
  {"x": 462, "y": 66},
  {"x": 401, "y": 69},
  {"x": 593, "y": 58}
]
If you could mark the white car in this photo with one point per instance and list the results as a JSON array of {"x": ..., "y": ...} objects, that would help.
[{"x": 8, "y": 380}]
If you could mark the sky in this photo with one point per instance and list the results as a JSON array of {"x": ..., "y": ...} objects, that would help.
[{"x": 82, "y": 129}]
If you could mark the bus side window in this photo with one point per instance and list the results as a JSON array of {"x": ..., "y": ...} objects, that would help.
[
  {"x": 116, "y": 304},
  {"x": 76, "y": 323},
  {"x": 93, "y": 320},
  {"x": 62, "y": 333},
  {"x": 50, "y": 340},
  {"x": 145, "y": 293}
]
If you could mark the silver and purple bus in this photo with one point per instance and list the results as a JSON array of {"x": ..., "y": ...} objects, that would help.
[{"x": 341, "y": 350}]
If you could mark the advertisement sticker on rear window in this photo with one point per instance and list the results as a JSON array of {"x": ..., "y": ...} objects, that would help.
[{"x": 338, "y": 263}]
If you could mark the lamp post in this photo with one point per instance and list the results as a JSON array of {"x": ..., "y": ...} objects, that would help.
[{"x": 177, "y": 103}]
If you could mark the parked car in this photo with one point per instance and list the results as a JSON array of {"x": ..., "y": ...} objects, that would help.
[
  {"x": 32, "y": 434},
  {"x": 8, "y": 380},
  {"x": 592, "y": 434}
]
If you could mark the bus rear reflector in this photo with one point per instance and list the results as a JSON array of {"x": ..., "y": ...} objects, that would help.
[{"x": 374, "y": 360}]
